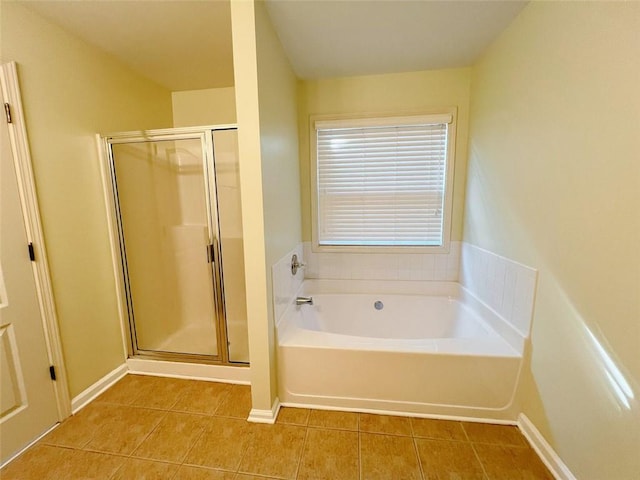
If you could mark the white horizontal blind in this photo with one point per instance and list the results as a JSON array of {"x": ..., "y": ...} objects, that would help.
[{"x": 382, "y": 185}]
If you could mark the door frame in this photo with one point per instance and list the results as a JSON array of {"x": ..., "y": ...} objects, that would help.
[
  {"x": 30, "y": 211},
  {"x": 116, "y": 241}
]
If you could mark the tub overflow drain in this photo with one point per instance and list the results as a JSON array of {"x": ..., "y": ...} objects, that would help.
[{"x": 378, "y": 305}]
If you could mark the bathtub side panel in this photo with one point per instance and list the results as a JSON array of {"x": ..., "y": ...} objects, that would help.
[{"x": 411, "y": 383}]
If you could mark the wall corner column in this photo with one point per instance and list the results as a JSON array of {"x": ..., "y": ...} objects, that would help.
[{"x": 261, "y": 350}]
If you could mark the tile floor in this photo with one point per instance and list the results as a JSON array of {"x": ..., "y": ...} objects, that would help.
[{"x": 151, "y": 428}]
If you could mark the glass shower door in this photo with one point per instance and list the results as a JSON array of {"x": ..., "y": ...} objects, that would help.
[
  {"x": 168, "y": 244},
  {"x": 227, "y": 179}
]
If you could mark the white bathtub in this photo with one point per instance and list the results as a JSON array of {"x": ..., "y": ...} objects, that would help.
[{"x": 431, "y": 349}]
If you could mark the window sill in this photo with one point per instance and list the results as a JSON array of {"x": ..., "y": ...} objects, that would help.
[{"x": 436, "y": 249}]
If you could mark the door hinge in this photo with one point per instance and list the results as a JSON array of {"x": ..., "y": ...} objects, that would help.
[
  {"x": 7, "y": 112},
  {"x": 52, "y": 372},
  {"x": 32, "y": 252},
  {"x": 210, "y": 256}
]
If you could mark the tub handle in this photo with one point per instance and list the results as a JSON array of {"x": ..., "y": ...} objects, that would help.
[{"x": 295, "y": 264}]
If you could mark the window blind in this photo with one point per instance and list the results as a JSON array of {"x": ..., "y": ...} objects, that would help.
[{"x": 381, "y": 185}]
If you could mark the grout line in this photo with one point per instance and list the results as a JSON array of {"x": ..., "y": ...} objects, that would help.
[
  {"x": 223, "y": 399},
  {"x": 304, "y": 444},
  {"x": 417, "y": 452},
  {"x": 186, "y": 455},
  {"x": 465, "y": 432},
  {"x": 389, "y": 434},
  {"x": 193, "y": 445},
  {"x": 166, "y": 412},
  {"x": 251, "y": 435},
  {"x": 340, "y": 429},
  {"x": 117, "y": 470},
  {"x": 484, "y": 471},
  {"x": 359, "y": 455},
  {"x": 175, "y": 474}
]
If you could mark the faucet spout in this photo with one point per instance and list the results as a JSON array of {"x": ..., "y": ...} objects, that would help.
[{"x": 304, "y": 301}]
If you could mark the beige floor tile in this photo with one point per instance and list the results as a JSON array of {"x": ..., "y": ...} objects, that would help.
[
  {"x": 237, "y": 403},
  {"x": 334, "y": 419},
  {"x": 37, "y": 462},
  {"x": 200, "y": 473},
  {"x": 125, "y": 390},
  {"x": 125, "y": 430},
  {"x": 388, "y": 457},
  {"x": 162, "y": 393},
  {"x": 78, "y": 430},
  {"x": 88, "y": 465},
  {"x": 222, "y": 444},
  {"x": 446, "y": 459},
  {"x": 330, "y": 455},
  {"x": 135, "y": 468},
  {"x": 386, "y": 424},
  {"x": 274, "y": 450},
  {"x": 293, "y": 416},
  {"x": 440, "y": 429},
  {"x": 202, "y": 397},
  {"x": 200, "y": 429},
  {"x": 45, "y": 462},
  {"x": 511, "y": 463},
  {"x": 172, "y": 438},
  {"x": 494, "y": 434}
]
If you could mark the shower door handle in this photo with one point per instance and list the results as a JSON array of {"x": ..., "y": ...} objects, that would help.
[{"x": 210, "y": 253}]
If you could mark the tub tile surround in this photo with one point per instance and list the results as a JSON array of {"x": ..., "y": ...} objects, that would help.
[
  {"x": 383, "y": 266},
  {"x": 502, "y": 285}
]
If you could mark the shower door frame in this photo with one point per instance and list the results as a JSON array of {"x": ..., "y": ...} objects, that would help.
[{"x": 118, "y": 250}]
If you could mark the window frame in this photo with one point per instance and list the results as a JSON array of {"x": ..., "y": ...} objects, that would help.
[{"x": 385, "y": 118}]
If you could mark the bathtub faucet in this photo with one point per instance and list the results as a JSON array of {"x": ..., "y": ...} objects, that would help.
[
  {"x": 304, "y": 301},
  {"x": 296, "y": 264}
]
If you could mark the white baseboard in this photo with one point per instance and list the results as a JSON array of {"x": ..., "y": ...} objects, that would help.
[
  {"x": 546, "y": 453},
  {"x": 265, "y": 416},
  {"x": 81, "y": 400},
  {"x": 193, "y": 371}
]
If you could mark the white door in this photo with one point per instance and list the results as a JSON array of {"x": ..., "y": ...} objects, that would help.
[{"x": 27, "y": 398}]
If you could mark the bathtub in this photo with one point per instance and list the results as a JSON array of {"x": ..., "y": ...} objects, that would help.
[{"x": 420, "y": 348}]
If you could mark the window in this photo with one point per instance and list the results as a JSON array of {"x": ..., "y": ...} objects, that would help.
[{"x": 383, "y": 182}]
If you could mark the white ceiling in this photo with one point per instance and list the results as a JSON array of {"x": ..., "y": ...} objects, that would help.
[
  {"x": 186, "y": 45},
  {"x": 359, "y": 37},
  {"x": 182, "y": 45}
]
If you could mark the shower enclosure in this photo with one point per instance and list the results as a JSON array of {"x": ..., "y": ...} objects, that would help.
[{"x": 177, "y": 208}]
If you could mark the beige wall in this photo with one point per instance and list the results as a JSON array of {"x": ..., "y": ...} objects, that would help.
[
  {"x": 393, "y": 93},
  {"x": 279, "y": 147},
  {"x": 554, "y": 182},
  {"x": 71, "y": 91},
  {"x": 277, "y": 86},
  {"x": 211, "y": 106}
]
